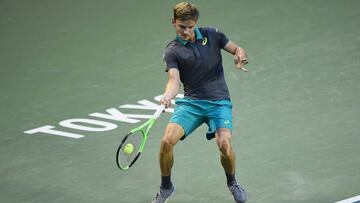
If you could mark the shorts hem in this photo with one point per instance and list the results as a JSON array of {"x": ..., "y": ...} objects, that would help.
[{"x": 185, "y": 133}]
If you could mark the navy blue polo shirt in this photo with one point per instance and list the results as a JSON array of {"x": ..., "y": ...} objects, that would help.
[{"x": 199, "y": 64}]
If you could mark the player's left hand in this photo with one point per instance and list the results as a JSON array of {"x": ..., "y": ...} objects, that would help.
[{"x": 241, "y": 59}]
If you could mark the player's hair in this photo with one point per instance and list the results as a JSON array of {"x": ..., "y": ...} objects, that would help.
[{"x": 185, "y": 11}]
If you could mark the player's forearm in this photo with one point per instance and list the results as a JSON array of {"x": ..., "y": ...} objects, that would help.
[
  {"x": 239, "y": 54},
  {"x": 172, "y": 86},
  {"x": 172, "y": 89},
  {"x": 232, "y": 48}
]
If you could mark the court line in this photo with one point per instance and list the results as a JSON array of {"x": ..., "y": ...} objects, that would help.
[{"x": 355, "y": 199}]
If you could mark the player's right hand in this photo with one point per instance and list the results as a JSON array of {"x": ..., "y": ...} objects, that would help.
[{"x": 166, "y": 102}]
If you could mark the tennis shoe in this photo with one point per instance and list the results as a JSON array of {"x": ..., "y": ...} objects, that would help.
[
  {"x": 238, "y": 192},
  {"x": 164, "y": 195}
]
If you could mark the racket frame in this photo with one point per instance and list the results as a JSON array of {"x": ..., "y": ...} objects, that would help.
[{"x": 144, "y": 129}]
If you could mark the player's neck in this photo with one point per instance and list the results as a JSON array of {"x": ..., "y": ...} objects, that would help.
[{"x": 192, "y": 38}]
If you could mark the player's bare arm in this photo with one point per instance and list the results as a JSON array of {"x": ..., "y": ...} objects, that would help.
[
  {"x": 172, "y": 87},
  {"x": 240, "y": 56}
]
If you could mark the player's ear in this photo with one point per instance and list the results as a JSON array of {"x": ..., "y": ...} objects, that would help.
[{"x": 173, "y": 21}]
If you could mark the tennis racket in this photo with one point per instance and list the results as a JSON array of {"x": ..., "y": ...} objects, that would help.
[{"x": 133, "y": 143}]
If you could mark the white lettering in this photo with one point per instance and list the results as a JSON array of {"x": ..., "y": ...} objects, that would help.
[
  {"x": 139, "y": 116},
  {"x": 170, "y": 110},
  {"x": 100, "y": 126},
  {"x": 114, "y": 114},
  {"x": 145, "y": 104},
  {"x": 157, "y": 98},
  {"x": 104, "y": 126},
  {"x": 49, "y": 130}
]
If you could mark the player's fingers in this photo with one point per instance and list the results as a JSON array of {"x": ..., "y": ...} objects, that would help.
[
  {"x": 240, "y": 62},
  {"x": 237, "y": 64},
  {"x": 244, "y": 61},
  {"x": 241, "y": 66},
  {"x": 167, "y": 103},
  {"x": 244, "y": 69},
  {"x": 236, "y": 61}
]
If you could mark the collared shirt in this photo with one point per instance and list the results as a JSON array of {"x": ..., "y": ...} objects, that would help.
[
  {"x": 198, "y": 36},
  {"x": 199, "y": 64}
]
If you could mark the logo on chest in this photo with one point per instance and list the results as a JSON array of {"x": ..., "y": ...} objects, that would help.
[{"x": 204, "y": 42}]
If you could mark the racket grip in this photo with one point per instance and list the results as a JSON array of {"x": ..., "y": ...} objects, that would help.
[{"x": 159, "y": 111}]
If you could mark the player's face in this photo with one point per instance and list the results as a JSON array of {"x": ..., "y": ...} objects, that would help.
[{"x": 185, "y": 29}]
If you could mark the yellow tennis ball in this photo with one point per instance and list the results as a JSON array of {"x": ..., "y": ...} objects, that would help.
[{"x": 129, "y": 148}]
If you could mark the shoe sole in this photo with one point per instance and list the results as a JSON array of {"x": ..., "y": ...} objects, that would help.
[{"x": 171, "y": 196}]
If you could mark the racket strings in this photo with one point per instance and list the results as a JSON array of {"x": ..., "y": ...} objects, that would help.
[{"x": 125, "y": 159}]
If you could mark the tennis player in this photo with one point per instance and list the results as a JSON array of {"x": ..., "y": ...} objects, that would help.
[{"x": 194, "y": 59}]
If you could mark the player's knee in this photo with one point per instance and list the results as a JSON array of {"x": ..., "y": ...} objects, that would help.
[
  {"x": 224, "y": 146},
  {"x": 172, "y": 135},
  {"x": 166, "y": 145}
]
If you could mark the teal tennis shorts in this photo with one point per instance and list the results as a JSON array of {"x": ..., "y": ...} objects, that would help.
[{"x": 190, "y": 114}]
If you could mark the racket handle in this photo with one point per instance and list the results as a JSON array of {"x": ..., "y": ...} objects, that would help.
[{"x": 159, "y": 111}]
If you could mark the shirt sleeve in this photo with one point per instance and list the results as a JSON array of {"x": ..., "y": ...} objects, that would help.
[
  {"x": 219, "y": 36},
  {"x": 170, "y": 60}
]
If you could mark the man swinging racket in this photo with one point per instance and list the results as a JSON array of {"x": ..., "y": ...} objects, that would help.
[{"x": 194, "y": 59}]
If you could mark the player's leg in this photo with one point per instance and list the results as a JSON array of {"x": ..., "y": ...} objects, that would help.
[
  {"x": 227, "y": 159},
  {"x": 183, "y": 122},
  {"x": 173, "y": 133},
  {"x": 227, "y": 155}
]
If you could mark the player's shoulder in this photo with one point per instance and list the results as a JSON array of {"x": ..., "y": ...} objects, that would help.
[
  {"x": 172, "y": 47},
  {"x": 209, "y": 29},
  {"x": 172, "y": 44}
]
